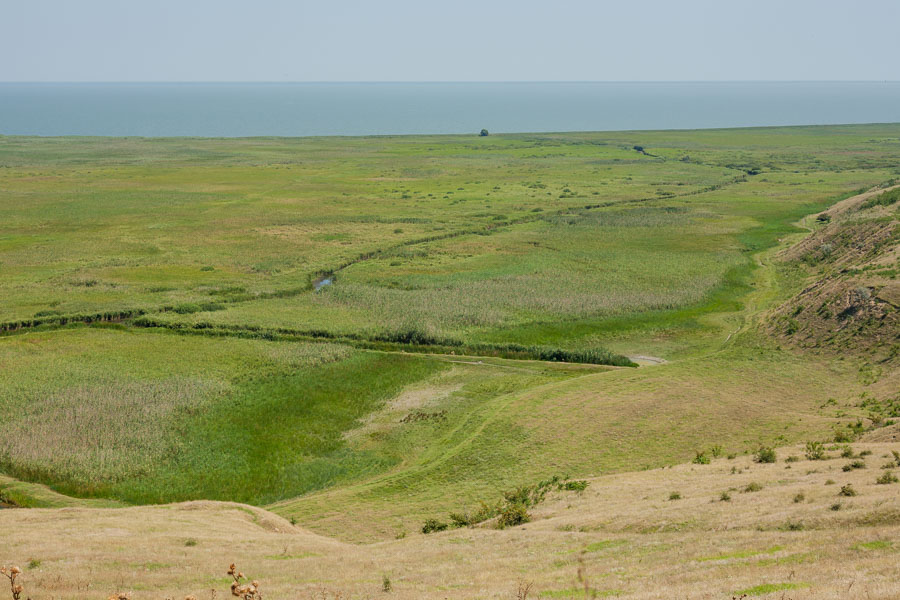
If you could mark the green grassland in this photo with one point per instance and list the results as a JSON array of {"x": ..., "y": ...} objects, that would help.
[{"x": 391, "y": 394}]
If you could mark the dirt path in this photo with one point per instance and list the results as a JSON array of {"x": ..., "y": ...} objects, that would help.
[{"x": 644, "y": 360}]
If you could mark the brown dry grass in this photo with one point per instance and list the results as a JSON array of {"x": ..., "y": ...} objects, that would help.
[{"x": 623, "y": 535}]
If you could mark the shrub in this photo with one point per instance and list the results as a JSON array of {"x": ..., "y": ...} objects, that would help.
[
  {"x": 886, "y": 478},
  {"x": 484, "y": 133},
  {"x": 458, "y": 520},
  {"x": 386, "y": 584},
  {"x": 701, "y": 458},
  {"x": 847, "y": 452},
  {"x": 765, "y": 454},
  {"x": 882, "y": 199},
  {"x": 830, "y": 482},
  {"x": 792, "y": 459},
  {"x": 753, "y": 487},
  {"x": 842, "y": 436},
  {"x": 799, "y": 498},
  {"x": 716, "y": 451},
  {"x": 724, "y": 497},
  {"x": 856, "y": 464},
  {"x": 513, "y": 515},
  {"x": 432, "y": 525},
  {"x": 578, "y": 485},
  {"x": 847, "y": 490},
  {"x": 836, "y": 506},
  {"x": 815, "y": 451},
  {"x": 675, "y": 496},
  {"x": 793, "y": 526}
]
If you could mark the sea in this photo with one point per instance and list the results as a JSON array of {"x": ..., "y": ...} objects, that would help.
[{"x": 365, "y": 109}]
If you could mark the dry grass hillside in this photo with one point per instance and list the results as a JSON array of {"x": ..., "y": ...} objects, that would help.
[
  {"x": 852, "y": 301},
  {"x": 850, "y": 306},
  {"x": 796, "y": 528}
]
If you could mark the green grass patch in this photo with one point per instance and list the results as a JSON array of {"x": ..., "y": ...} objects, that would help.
[
  {"x": 742, "y": 554},
  {"x": 875, "y": 545},
  {"x": 768, "y": 588},
  {"x": 580, "y": 593}
]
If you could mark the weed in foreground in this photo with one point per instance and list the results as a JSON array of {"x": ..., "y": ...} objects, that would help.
[
  {"x": 239, "y": 589},
  {"x": 12, "y": 573},
  {"x": 523, "y": 590}
]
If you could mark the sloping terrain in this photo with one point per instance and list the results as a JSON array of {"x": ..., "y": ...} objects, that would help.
[
  {"x": 731, "y": 527},
  {"x": 849, "y": 306},
  {"x": 853, "y": 299}
]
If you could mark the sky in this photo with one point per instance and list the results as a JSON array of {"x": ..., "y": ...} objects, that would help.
[{"x": 449, "y": 40}]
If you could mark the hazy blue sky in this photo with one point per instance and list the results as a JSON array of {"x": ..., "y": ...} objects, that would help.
[{"x": 448, "y": 40}]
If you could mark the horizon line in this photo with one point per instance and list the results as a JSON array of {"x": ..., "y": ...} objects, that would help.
[{"x": 440, "y": 81}]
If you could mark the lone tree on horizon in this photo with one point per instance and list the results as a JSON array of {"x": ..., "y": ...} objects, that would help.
[{"x": 484, "y": 132}]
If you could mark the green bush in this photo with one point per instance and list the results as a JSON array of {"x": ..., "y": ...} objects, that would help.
[
  {"x": 578, "y": 485},
  {"x": 675, "y": 496},
  {"x": 886, "y": 478},
  {"x": 701, "y": 458},
  {"x": 513, "y": 515},
  {"x": 765, "y": 454},
  {"x": 883, "y": 199},
  {"x": 815, "y": 451},
  {"x": 856, "y": 464},
  {"x": 847, "y": 490},
  {"x": 432, "y": 525}
]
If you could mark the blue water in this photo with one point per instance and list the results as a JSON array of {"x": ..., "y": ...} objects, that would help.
[{"x": 302, "y": 109}]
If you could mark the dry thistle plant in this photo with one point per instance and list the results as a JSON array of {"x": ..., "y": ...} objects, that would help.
[
  {"x": 523, "y": 590},
  {"x": 245, "y": 591},
  {"x": 12, "y": 573},
  {"x": 582, "y": 577}
]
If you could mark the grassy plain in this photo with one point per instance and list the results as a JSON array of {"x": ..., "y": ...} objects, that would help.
[{"x": 360, "y": 409}]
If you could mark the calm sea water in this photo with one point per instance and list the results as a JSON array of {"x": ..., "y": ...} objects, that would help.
[{"x": 301, "y": 109}]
